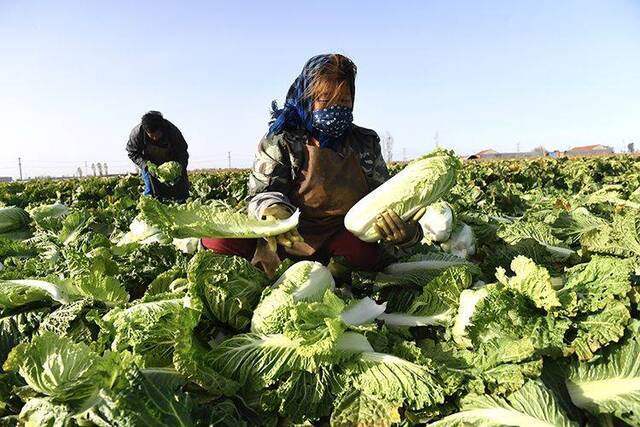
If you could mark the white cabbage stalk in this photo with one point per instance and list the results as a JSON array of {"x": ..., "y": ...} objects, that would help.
[
  {"x": 560, "y": 251},
  {"x": 469, "y": 298},
  {"x": 432, "y": 261},
  {"x": 437, "y": 222},
  {"x": 188, "y": 245},
  {"x": 557, "y": 282},
  {"x": 462, "y": 242},
  {"x": 143, "y": 233},
  {"x": 478, "y": 284},
  {"x": 401, "y": 319},
  {"x": 55, "y": 291},
  {"x": 310, "y": 279},
  {"x": 364, "y": 311}
]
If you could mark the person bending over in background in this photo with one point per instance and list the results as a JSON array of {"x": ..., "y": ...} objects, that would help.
[
  {"x": 315, "y": 159},
  {"x": 157, "y": 140}
]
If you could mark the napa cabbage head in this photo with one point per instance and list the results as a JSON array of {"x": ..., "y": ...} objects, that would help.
[
  {"x": 318, "y": 326},
  {"x": 149, "y": 327},
  {"x": 57, "y": 367},
  {"x": 228, "y": 286},
  {"x": 421, "y": 183},
  {"x": 303, "y": 281},
  {"x": 13, "y": 218},
  {"x": 437, "y": 222},
  {"x": 100, "y": 287},
  {"x": 438, "y": 302},
  {"x": 49, "y": 217},
  {"x": 462, "y": 242},
  {"x": 166, "y": 173}
]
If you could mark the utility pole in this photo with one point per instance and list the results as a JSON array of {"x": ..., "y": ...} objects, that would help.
[
  {"x": 86, "y": 168},
  {"x": 387, "y": 147},
  {"x": 229, "y": 159},
  {"x": 404, "y": 154},
  {"x": 518, "y": 146},
  {"x": 436, "y": 138},
  {"x": 20, "y": 167}
]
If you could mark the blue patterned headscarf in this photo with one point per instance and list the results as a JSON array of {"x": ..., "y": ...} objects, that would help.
[{"x": 297, "y": 111}]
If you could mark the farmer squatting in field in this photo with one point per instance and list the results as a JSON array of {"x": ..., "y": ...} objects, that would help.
[{"x": 315, "y": 159}]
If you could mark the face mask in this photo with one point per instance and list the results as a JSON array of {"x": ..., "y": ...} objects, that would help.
[{"x": 333, "y": 121}]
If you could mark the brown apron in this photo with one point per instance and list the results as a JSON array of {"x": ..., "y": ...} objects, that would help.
[{"x": 328, "y": 185}]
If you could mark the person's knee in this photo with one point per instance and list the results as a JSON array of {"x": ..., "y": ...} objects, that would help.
[
  {"x": 238, "y": 247},
  {"x": 358, "y": 254},
  {"x": 366, "y": 258}
]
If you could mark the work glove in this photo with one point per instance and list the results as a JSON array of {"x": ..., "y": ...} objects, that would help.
[
  {"x": 266, "y": 254},
  {"x": 288, "y": 239},
  {"x": 395, "y": 230}
]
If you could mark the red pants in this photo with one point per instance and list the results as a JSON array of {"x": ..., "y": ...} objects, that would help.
[{"x": 357, "y": 254}]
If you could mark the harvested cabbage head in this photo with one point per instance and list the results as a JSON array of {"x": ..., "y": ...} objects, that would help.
[
  {"x": 437, "y": 222},
  {"x": 13, "y": 218},
  {"x": 303, "y": 281},
  {"x": 421, "y": 183},
  {"x": 462, "y": 242},
  {"x": 167, "y": 173}
]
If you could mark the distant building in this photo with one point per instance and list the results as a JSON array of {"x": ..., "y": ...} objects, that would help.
[
  {"x": 6, "y": 179},
  {"x": 590, "y": 150},
  {"x": 485, "y": 154},
  {"x": 493, "y": 154}
]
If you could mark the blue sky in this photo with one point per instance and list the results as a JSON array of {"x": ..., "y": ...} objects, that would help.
[{"x": 75, "y": 76}]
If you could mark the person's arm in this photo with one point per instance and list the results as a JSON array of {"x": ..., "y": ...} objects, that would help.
[
  {"x": 180, "y": 147},
  {"x": 379, "y": 171},
  {"x": 270, "y": 178},
  {"x": 135, "y": 148}
]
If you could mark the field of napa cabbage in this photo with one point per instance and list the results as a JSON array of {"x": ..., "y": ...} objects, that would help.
[{"x": 518, "y": 308}]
